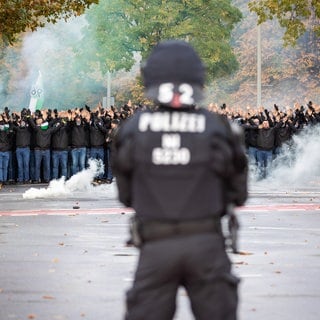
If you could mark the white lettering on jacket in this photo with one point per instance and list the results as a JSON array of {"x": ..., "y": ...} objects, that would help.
[
  {"x": 171, "y": 152},
  {"x": 172, "y": 122}
]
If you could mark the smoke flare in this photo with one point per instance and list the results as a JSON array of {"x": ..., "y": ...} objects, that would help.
[
  {"x": 298, "y": 165},
  {"x": 82, "y": 181}
]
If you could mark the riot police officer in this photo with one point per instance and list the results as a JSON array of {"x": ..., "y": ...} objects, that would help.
[{"x": 179, "y": 167}]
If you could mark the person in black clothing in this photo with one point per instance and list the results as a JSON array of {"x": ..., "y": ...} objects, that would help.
[
  {"x": 97, "y": 133},
  {"x": 5, "y": 149},
  {"x": 283, "y": 134},
  {"x": 109, "y": 140},
  {"x": 265, "y": 145},
  {"x": 79, "y": 142},
  {"x": 251, "y": 134},
  {"x": 180, "y": 168},
  {"x": 60, "y": 148},
  {"x": 23, "y": 139},
  {"x": 42, "y": 152}
]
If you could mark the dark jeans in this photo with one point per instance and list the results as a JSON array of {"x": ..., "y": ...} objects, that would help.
[
  {"x": 264, "y": 158},
  {"x": 23, "y": 160},
  {"x": 12, "y": 167},
  {"x": 32, "y": 165},
  {"x": 108, "y": 166},
  {"x": 42, "y": 156},
  {"x": 78, "y": 156},
  {"x": 97, "y": 153},
  {"x": 4, "y": 165},
  {"x": 252, "y": 153},
  {"x": 59, "y": 160},
  {"x": 197, "y": 262}
]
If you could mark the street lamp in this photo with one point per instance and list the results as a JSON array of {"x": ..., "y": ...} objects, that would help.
[{"x": 258, "y": 66}]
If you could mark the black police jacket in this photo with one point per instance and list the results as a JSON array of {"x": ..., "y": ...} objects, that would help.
[{"x": 179, "y": 165}]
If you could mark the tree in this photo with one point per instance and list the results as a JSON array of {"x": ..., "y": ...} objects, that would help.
[
  {"x": 295, "y": 16},
  {"x": 106, "y": 44},
  {"x": 289, "y": 74},
  {"x": 124, "y": 27},
  {"x": 19, "y": 16}
]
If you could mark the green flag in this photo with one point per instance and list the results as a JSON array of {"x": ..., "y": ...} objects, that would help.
[{"x": 36, "y": 93}]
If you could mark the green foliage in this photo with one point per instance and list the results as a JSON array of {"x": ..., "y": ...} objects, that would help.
[
  {"x": 124, "y": 27},
  {"x": 18, "y": 16},
  {"x": 106, "y": 44},
  {"x": 295, "y": 16}
]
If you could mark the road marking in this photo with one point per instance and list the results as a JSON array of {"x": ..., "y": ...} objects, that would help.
[
  {"x": 285, "y": 229},
  {"x": 281, "y": 207},
  {"x": 249, "y": 275},
  {"x": 98, "y": 211},
  {"x": 65, "y": 212}
]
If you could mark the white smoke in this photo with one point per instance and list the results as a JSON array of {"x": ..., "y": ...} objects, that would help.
[
  {"x": 51, "y": 50},
  {"x": 82, "y": 181},
  {"x": 297, "y": 165}
]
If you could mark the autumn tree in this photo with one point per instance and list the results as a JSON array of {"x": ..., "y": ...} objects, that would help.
[
  {"x": 295, "y": 16},
  {"x": 289, "y": 74},
  {"x": 19, "y": 16}
]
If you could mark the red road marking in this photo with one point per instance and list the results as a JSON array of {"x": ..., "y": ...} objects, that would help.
[
  {"x": 65, "y": 211},
  {"x": 255, "y": 208},
  {"x": 281, "y": 207}
]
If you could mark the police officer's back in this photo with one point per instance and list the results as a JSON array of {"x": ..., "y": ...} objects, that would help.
[{"x": 179, "y": 167}]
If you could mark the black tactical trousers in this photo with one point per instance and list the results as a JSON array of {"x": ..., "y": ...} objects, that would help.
[{"x": 197, "y": 262}]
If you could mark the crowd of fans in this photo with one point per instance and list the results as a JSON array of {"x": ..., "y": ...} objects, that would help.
[
  {"x": 48, "y": 144},
  {"x": 268, "y": 132}
]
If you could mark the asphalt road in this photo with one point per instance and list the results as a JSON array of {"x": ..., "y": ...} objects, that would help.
[{"x": 65, "y": 257}]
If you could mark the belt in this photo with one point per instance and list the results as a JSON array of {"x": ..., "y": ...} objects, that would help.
[{"x": 156, "y": 230}]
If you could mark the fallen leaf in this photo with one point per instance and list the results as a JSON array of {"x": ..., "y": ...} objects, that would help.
[
  {"x": 277, "y": 271},
  {"x": 61, "y": 244},
  {"x": 31, "y": 316},
  {"x": 243, "y": 253},
  {"x": 48, "y": 297},
  {"x": 55, "y": 260}
]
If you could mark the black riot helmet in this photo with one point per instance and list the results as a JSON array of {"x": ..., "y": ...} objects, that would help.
[{"x": 174, "y": 74}]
